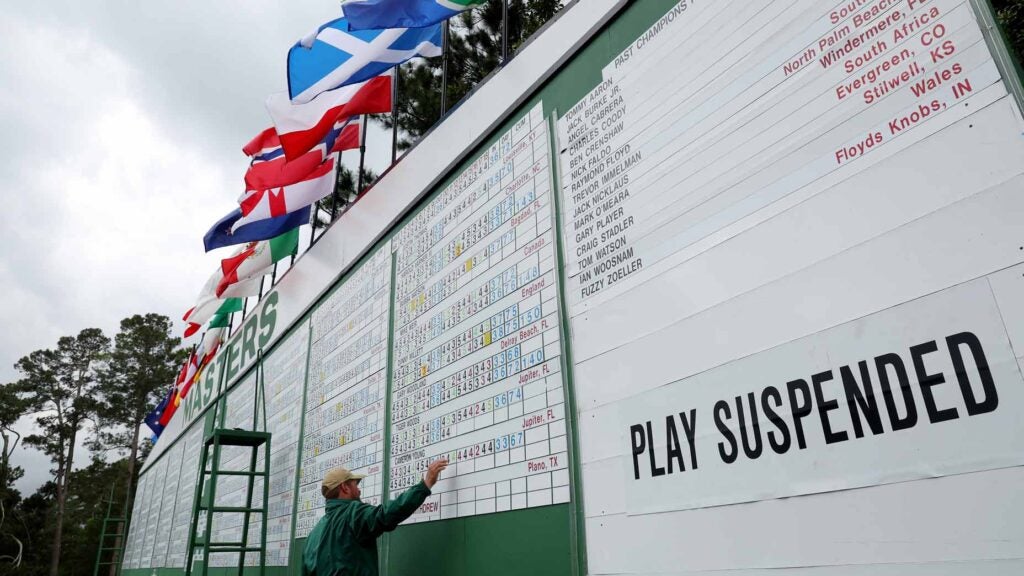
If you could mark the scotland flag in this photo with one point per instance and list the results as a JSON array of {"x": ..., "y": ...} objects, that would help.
[
  {"x": 333, "y": 56},
  {"x": 376, "y": 14}
]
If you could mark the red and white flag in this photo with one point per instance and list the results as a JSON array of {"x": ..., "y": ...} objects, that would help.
[
  {"x": 301, "y": 127},
  {"x": 188, "y": 376},
  {"x": 270, "y": 168},
  {"x": 271, "y": 202},
  {"x": 208, "y": 303},
  {"x": 212, "y": 339}
]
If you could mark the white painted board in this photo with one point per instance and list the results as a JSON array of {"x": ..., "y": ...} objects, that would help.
[
  {"x": 345, "y": 394},
  {"x": 752, "y": 209},
  {"x": 477, "y": 378},
  {"x": 925, "y": 389}
]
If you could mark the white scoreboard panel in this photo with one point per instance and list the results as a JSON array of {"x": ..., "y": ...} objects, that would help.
[
  {"x": 759, "y": 194},
  {"x": 181, "y": 521},
  {"x": 662, "y": 159},
  {"x": 153, "y": 501},
  {"x": 133, "y": 543},
  {"x": 141, "y": 560},
  {"x": 477, "y": 377},
  {"x": 284, "y": 375},
  {"x": 231, "y": 490},
  {"x": 344, "y": 423},
  {"x": 168, "y": 501}
]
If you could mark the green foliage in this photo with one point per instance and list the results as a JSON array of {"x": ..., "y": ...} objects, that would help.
[
  {"x": 61, "y": 385},
  {"x": 344, "y": 194},
  {"x": 1011, "y": 17},
  {"x": 86, "y": 507},
  {"x": 143, "y": 363},
  {"x": 474, "y": 51},
  {"x": 12, "y": 407}
]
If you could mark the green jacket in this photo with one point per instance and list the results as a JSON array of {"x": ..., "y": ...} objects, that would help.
[{"x": 344, "y": 541}]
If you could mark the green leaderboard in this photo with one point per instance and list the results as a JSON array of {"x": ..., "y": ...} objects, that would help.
[{"x": 686, "y": 287}]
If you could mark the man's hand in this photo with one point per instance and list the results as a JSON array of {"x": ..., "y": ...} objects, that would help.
[{"x": 433, "y": 471}]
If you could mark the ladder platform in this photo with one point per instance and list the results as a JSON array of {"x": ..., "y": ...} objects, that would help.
[{"x": 231, "y": 437}]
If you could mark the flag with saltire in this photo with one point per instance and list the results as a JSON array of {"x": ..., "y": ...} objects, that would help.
[
  {"x": 257, "y": 259},
  {"x": 344, "y": 135},
  {"x": 332, "y": 56},
  {"x": 208, "y": 303},
  {"x": 220, "y": 234},
  {"x": 273, "y": 202},
  {"x": 377, "y": 14},
  {"x": 301, "y": 127}
]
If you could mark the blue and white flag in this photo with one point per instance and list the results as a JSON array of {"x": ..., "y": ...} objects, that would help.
[
  {"x": 377, "y": 14},
  {"x": 333, "y": 56}
]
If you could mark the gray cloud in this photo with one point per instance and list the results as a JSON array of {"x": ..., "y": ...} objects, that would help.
[{"x": 122, "y": 125}]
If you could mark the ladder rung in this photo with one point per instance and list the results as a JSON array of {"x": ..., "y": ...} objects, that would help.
[
  {"x": 235, "y": 473},
  {"x": 114, "y": 548},
  {"x": 238, "y": 549},
  {"x": 235, "y": 509}
]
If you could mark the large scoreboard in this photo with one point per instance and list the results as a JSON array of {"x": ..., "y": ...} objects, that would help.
[
  {"x": 686, "y": 287},
  {"x": 477, "y": 377}
]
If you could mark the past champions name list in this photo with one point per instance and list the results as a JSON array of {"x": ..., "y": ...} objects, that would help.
[
  {"x": 477, "y": 354},
  {"x": 723, "y": 108},
  {"x": 345, "y": 395}
]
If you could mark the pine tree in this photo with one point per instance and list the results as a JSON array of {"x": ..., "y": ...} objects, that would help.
[
  {"x": 12, "y": 408},
  {"x": 143, "y": 363},
  {"x": 60, "y": 385},
  {"x": 344, "y": 194}
]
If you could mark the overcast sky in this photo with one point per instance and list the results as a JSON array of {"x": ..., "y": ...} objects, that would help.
[{"x": 122, "y": 124}]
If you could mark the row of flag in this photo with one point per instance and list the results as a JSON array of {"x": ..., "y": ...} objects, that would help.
[{"x": 337, "y": 74}]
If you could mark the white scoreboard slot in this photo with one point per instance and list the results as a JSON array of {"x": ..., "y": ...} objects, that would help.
[{"x": 477, "y": 377}]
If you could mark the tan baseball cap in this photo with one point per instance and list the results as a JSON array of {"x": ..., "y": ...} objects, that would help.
[{"x": 338, "y": 476}]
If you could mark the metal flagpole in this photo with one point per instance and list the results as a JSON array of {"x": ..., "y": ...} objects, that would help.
[
  {"x": 394, "y": 114},
  {"x": 444, "y": 68},
  {"x": 504, "y": 31},
  {"x": 362, "y": 154},
  {"x": 336, "y": 194},
  {"x": 314, "y": 219}
]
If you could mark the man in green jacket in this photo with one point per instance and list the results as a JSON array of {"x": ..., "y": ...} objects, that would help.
[{"x": 344, "y": 541}]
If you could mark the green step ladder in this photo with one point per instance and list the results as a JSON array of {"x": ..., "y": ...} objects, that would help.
[
  {"x": 116, "y": 549},
  {"x": 205, "y": 503}
]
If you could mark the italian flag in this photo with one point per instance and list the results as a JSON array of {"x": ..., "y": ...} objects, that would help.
[{"x": 256, "y": 259}]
